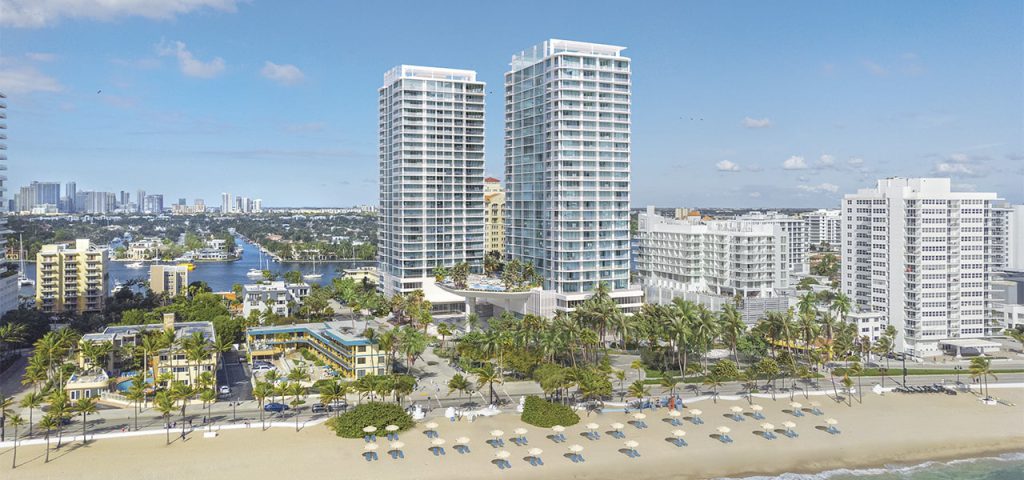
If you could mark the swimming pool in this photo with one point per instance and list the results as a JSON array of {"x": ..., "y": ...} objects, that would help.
[{"x": 123, "y": 386}]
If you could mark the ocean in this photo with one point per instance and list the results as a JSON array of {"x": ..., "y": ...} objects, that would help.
[
  {"x": 220, "y": 276},
  {"x": 1009, "y": 466}
]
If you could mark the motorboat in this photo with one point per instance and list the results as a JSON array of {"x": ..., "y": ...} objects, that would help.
[{"x": 134, "y": 265}]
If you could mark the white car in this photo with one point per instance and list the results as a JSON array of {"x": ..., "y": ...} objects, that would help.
[
  {"x": 262, "y": 368},
  {"x": 225, "y": 390}
]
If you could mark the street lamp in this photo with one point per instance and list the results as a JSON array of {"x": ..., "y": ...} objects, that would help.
[{"x": 958, "y": 368}]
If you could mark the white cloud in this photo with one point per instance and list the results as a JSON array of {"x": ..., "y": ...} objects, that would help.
[
  {"x": 956, "y": 169},
  {"x": 755, "y": 194},
  {"x": 821, "y": 188},
  {"x": 826, "y": 161},
  {"x": 21, "y": 79},
  {"x": 794, "y": 163},
  {"x": 727, "y": 166},
  {"x": 40, "y": 13},
  {"x": 757, "y": 122},
  {"x": 190, "y": 65},
  {"x": 961, "y": 165},
  {"x": 856, "y": 161},
  {"x": 41, "y": 56},
  {"x": 284, "y": 74}
]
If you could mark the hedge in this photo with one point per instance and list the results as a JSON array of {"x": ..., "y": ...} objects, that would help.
[
  {"x": 351, "y": 423},
  {"x": 544, "y": 414}
]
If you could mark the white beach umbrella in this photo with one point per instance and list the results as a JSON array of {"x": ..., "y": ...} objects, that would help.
[
  {"x": 631, "y": 443},
  {"x": 674, "y": 413},
  {"x": 617, "y": 426},
  {"x": 789, "y": 425},
  {"x": 391, "y": 428},
  {"x": 437, "y": 442},
  {"x": 696, "y": 412},
  {"x": 724, "y": 430},
  {"x": 430, "y": 425},
  {"x": 369, "y": 447},
  {"x": 593, "y": 426},
  {"x": 574, "y": 448},
  {"x": 756, "y": 408},
  {"x": 519, "y": 431},
  {"x": 796, "y": 405},
  {"x": 536, "y": 452},
  {"x": 369, "y": 429},
  {"x": 678, "y": 433},
  {"x": 767, "y": 427},
  {"x": 736, "y": 410},
  {"x": 497, "y": 433},
  {"x": 502, "y": 454},
  {"x": 462, "y": 440},
  {"x": 558, "y": 429},
  {"x": 396, "y": 446},
  {"x": 832, "y": 421},
  {"x": 639, "y": 416}
]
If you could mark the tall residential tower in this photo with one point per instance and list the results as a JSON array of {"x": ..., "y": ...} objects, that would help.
[
  {"x": 567, "y": 168},
  {"x": 431, "y": 178}
]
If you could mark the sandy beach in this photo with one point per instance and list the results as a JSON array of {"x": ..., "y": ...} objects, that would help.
[{"x": 896, "y": 428}]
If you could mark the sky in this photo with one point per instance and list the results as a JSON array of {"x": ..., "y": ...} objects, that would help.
[{"x": 735, "y": 103}]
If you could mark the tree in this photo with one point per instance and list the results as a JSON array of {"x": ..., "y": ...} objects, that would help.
[
  {"x": 669, "y": 383},
  {"x": 487, "y": 374},
  {"x": 260, "y": 392},
  {"x": 620, "y": 375},
  {"x": 15, "y": 421},
  {"x": 638, "y": 389},
  {"x": 182, "y": 393},
  {"x": 713, "y": 381},
  {"x": 48, "y": 423},
  {"x": 460, "y": 384},
  {"x": 332, "y": 391},
  {"x": 137, "y": 394},
  {"x": 981, "y": 367},
  {"x": 444, "y": 331},
  {"x": 31, "y": 401},
  {"x": 460, "y": 274},
  {"x": 732, "y": 328},
  {"x": 297, "y": 391},
  {"x": 163, "y": 402},
  {"x": 208, "y": 396},
  {"x": 85, "y": 406}
]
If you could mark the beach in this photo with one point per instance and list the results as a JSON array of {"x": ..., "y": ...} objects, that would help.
[{"x": 883, "y": 430}]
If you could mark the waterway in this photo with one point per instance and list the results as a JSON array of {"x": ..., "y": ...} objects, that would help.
[{"x": 220, "y": 276}]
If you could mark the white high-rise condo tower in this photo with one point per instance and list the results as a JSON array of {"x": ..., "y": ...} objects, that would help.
[
  {"x": 924, "y": 256},
  {"x": 567, "y": 168},
  {"x": 431, "y": 179},
  {"x": 9, "y": 279}
]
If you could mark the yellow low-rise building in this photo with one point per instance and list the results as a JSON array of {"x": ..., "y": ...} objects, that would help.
[{"x": 351, "y": 355}]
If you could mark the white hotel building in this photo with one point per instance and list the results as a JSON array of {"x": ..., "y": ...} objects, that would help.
[
  {"x": 431, "y": 178},
  {"x": 924, "y": 256},
  {"x": 567, "y": 169},
  {"x": 713, "y": 261},
  {"x": 794, "y": 227},
  {"x": 824, "y": 227}
]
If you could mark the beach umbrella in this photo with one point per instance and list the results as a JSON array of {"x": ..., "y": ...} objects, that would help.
[
  {"x": 370, "y": 447},
  {"x": 462, "y": 440},
  {"x": 674, "y": 413},
  {"x": 756, "y": 408},
  {"x": 815, "y": 404},
  {"x": 617, "y": 426},
  {"x": 574, "y": 448},
  {"x": 767, "y": 427},
  {"x": 736, "y": 410},
  {"x": 520, "y": 431},
  {"x": 391, "y": 428},
  {"x": 558, "y": 429},
  {"x": 796, "y": 405},
  {"x": 430, "y": 425},
  {"x": 788, "y": 425},
  {"x": 631, "y": 444},
  {"x": 639, "y": 416},
  {"x": 678, "y": 433},
  {"x": 831, "y": 421},
  {"x": 593, "y": 426},
  {"x": 724, "y": 430},
  {"x": 502, "y": 454},
  {"x": 369, "y": 429},
  {"x": 497, "y": 433},
  {"x": 396, "y": 445},
  {"x": 695, "y": 412},
  {"x": 437, "y": 442},
  {"x": 535, "y": 452}
]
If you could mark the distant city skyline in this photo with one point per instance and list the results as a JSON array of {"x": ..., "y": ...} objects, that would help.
[{"x": 752, "y": 105}]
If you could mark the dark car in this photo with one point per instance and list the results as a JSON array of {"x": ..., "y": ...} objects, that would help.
[
  {"x": 319, "y": 408},
  {"x": 275, "y": 407},
  {"x": 337, "y": 406}
]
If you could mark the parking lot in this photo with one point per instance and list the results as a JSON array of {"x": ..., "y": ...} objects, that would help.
[{"x": 235, "y": 374}]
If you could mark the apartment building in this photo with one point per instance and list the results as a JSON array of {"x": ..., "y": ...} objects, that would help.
[
  {"x": 494, "y": 216},
  {"x": 280, "y": 298},
  {"x": 923, "y": 255},
  {"x": 8, "y": 275},
  {"x": 567, "y": 168},
  {"x": 169, "y": 279},
  {"x": 71, "y": 278},
  {"x": 824, "y": 227},
  {"x": 335, "y": 343},
  {"x": 794, "y": 227},
  {"x": 431, "y": 152}
]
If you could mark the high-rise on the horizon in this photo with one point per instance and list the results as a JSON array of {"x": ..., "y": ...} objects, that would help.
[
  {"x": 924, "y": 256},
  {"x": 567, "y": 167},
  {"x": 225, "y": 202},
  {"x": 140, "y": 201},
  {"x": 431, "y": 178},
  {"x": 71, "y": 192}
]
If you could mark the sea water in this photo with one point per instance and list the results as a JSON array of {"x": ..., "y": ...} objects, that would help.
[{"x": 1009, "y": 466}]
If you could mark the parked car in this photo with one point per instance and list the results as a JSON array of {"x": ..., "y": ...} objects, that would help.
[
  {"x": 225, "y": 390},
  {"x": 337, "y": 406},
  {"x": 275, "y": 407},
  {"x": 319, "y": 408},
  {"x": 263, "y": 368}
]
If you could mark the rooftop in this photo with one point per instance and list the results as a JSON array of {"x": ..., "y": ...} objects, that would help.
[{"x": 344, "y": 332}]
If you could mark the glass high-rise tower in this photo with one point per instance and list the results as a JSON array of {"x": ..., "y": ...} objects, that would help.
[
  {"x": 567, "y": 166},
  {"x": 431, "y": 178}
]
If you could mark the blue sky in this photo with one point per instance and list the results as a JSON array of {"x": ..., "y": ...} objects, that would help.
[{"x": 792, "y": 103}]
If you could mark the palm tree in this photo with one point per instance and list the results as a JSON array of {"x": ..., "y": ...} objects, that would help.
[
  {"x": 841, "y": 304},
  {"x": 297, "y": 391},
  {"x": 85, "y": 406},
  {"x": 163, "y": 402},
  {"x": 16, "y": 421},
  {"x": 444, "y": 331},
  {"x": 639, "y": 367},
  {"x": 668, "y": 382},
  {"x": 732, "y": 328},
  {"x": 332, "y": 391},
  {"x": 208, "y": 396},
  {"x": 260, "y": 392},
  {"x": 182, "y": 392},
  {"x": 620, "y": 375},
  {"x": 487, "y": 374},
  {"x": 714, "y": 382},
  {"x": 855, "y": 369},
  {"x": 638, "y": 389},
  {"x": 981, "y": 367},
  {"x": 460, "y": 384},
  {"x": 10, "y": 333},
  {"x": 58, "y": 400},
  {"x": 31, "y": 401},
  {"x": 48, "y": 423},
  {"x": 137, "y": 394}
]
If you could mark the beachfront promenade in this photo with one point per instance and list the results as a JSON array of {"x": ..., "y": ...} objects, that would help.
[{"x": 883, "y": 429}]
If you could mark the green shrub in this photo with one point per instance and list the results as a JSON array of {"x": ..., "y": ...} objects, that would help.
[
  {"x": 541, "y": 413},
  {"x": 350, "y": 424}
]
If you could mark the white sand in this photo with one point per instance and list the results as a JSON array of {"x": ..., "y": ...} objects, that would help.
[{"x": 882, "y": 430}]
